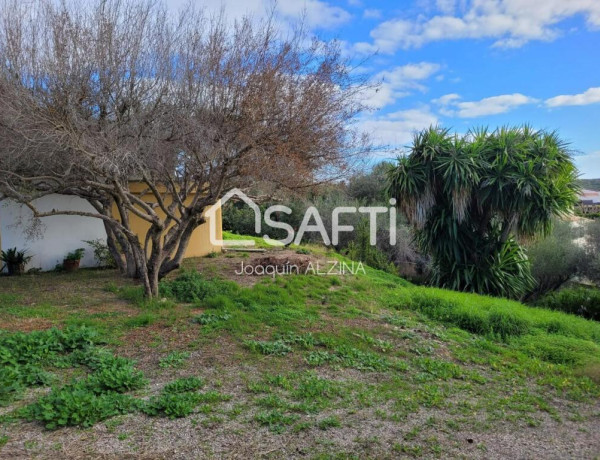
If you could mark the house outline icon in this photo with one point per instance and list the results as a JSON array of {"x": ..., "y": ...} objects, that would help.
[{"x": 212, "y": 210}]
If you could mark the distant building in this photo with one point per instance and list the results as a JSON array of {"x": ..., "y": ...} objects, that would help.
[{"x": 589, "y": 201}]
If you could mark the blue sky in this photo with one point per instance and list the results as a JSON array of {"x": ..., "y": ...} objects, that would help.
[{"x": 463, "y": 63}]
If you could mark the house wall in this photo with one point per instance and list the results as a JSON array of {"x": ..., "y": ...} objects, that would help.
[
  {"x": 62, "y": 234},
  {"x": 57, "y": 236},
  {"x": 199, "y": 242}
]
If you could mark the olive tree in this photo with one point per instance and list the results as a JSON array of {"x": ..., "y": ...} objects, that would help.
[
  {"x": 471, "y": 197},
  {"x": 94, "y": 97}
]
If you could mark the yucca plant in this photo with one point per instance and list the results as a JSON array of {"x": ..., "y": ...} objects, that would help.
[
  {"x": 472, "y": 197},
  {"x": 15, "y": 260}
]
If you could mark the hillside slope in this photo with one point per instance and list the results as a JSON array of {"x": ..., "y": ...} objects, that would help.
[{"x": 361, "y": 365}]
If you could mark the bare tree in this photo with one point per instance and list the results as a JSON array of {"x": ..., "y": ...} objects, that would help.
[{"x": 94, "y": 98}]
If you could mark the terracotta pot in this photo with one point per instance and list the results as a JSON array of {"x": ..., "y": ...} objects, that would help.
[
  {"x": 70, "y": 265},
  {"x": 15, "y": 269}
]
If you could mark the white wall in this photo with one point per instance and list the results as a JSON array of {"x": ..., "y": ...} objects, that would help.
[{"x": 58, "y": 235}]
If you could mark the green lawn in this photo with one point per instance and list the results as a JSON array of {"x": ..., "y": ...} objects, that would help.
[{"x": 306, "y": 366}]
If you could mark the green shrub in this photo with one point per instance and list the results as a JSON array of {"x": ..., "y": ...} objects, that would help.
[
  {"x": 101, "y": 253},
  {"x": 579, "y": 301},
  {"x": 556, "y": 258}
]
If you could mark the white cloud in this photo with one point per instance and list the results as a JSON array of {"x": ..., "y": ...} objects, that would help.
[
  {"x": 399, "y": 82},
  {"x": 372, "y": 14},
  {"x": 397, "y": 129},
  {"x": 591, "y": 96},
  {"x": 511, "y": 23},
  {"x": 588, "y": 165},
  {"x": 317, "y": 13},
  {"x": 452, "y": 106}
]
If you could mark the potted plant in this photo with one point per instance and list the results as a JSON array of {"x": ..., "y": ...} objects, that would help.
[
  {"x": 71, "y": 261},
  {"x": 15, "y": 260}
]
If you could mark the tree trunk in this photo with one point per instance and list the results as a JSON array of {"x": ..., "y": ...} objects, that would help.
[{"x": 113, "y": 248}]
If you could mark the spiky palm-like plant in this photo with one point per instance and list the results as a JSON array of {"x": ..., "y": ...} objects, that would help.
[{"x": 471, "y": 197}]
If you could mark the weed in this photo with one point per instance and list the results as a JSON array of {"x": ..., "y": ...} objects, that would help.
[
  {"x": 210, "y": 319},
  {"x": 275, "y": 420},
  {"x": 78, "y": 406},
  {"x": 329, "y": 422},
  {"x": 278, "y": 347},
  {"x": 190, "y": 286},
  {"x": 174, "y": 359},
  {"x": 183, "y": 385}
]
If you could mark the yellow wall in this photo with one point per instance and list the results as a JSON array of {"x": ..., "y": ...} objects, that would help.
[{"x": 199, "y": 242}]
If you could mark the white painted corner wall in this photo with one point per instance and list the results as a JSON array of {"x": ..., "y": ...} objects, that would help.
[{"x": 58, "y": 236}]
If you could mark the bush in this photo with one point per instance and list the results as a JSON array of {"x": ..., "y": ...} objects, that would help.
[
  {"x": 579, "y": 301},
  {"x": 555, "y": 259},
  {"x": 101, "y": 253}
]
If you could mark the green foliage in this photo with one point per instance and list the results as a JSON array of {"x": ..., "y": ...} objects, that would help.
[
  {"x": 278, "y": 347},
  {"x": 78, "y": 406},
  {"x": 114, "y": 374},
  {"x": 77, "y": 254},
  {"x": 174, "y": 359},
  {"x": 210, "y": 319},
  {"x": 275, "y": 420},
  {"x": 91, "y": 399},
  {"x": 101, "y": 253},
  {"x": 369, "y": 187},
  {"x": 468, "y": 196},
  {"x": 24, "y": 356},
  {"x": 347, "y": 356},
  {"x": 559, "y": 350},
  {"x": 183, "y": 385},
  {"x": 13, "y": 256},
  {"x": 360, "y": 249},
  {"x": 190, "y": 286},
  {"x": 179, "y": 398},
  {"x": 329, "y": 422},
  {"x": 556, "y": 258},
  {"x": 493, "y": 321},
  {"x": 172, "y": 405},
  {"x": 497, "y": 318},
  {"x": 579, "y": 301}
]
